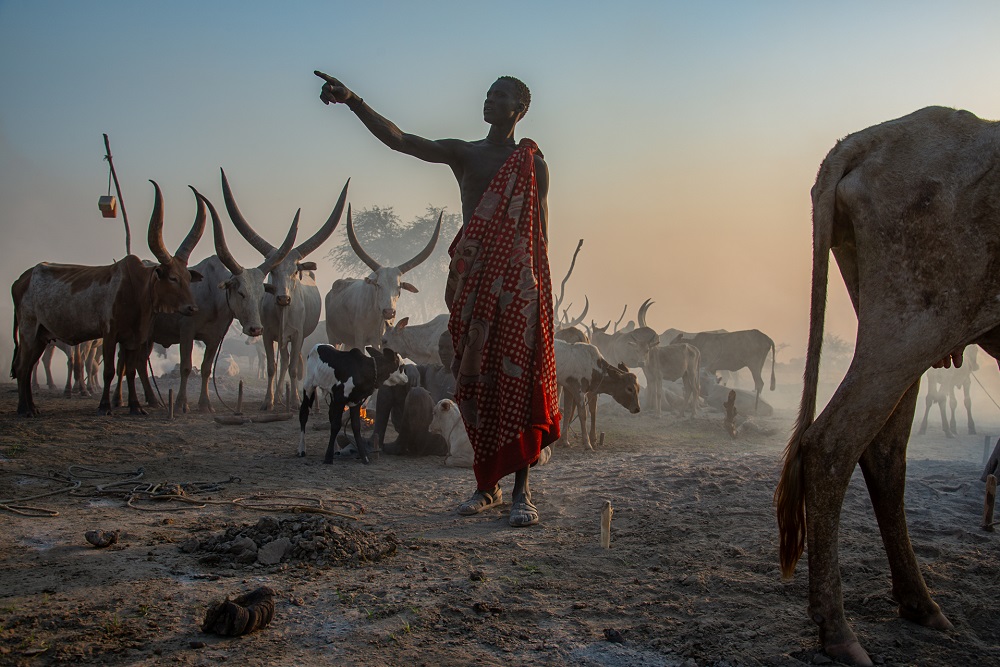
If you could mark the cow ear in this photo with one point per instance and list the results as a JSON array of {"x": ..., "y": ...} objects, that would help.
[
  {"x": 623, "y": 367},
  {"x": 408, "y": 287},
  {"x": 307, "y": 266},
  {"x": 160, "y": 275},
  {"x": 370, "y": 350},
  {"x": 269, "y": 288},
  {"x": 369, "y": 281},
  {"x": 195, "y": 276},
  {"x": 226, "y": 284},
  {"x": 402, "y": 323}
]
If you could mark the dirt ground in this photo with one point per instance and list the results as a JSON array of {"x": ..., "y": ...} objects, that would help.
[{"x": 691, "y": 577}]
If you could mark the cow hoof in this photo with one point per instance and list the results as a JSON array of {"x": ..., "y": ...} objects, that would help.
[
  {"x": 301, "y": 455},
  {"x": 137, "y": 410},
  {"x": 365, "y": 460},
  {"x": 206, "y": 409},
  {"x": 849, "y": 653},
  {"x": 934, "y": 620},
  {"x": 328, "y": 461}
]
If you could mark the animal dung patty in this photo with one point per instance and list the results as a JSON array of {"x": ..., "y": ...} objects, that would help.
[
  {"x": 102, "y": 538},
  {"x": 231, "y": 618}
]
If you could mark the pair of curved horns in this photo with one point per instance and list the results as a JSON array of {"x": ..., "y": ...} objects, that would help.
[
  {"x": 261, "y": 244},
  {"x": 405, "y": 266},
  {"x": 222, "y": 249},
  {"x": 155, "y": 235},
  {"x": 579, "y": 320}
]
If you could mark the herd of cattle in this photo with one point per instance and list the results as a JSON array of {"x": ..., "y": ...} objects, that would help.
[{"x": 96, "y": 313}]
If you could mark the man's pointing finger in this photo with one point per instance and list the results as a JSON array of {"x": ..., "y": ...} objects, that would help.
[{"x": 326, "y": 77}]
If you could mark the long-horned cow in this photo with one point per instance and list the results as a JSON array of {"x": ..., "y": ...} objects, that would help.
[
  {"x": 76, "y": 303},
  {"x": 910, "y": 209},
  {"x": 291, "y": 311},
  {"x": 228, "y": 290},
  {"x": 357, "y": 310}
]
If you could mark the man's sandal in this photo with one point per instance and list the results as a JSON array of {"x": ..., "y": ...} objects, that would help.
[
  {"x": 523, "y": 513},
  {"x": 481, "y": 500}
]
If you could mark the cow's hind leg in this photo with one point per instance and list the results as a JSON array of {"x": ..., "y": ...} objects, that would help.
[
  {"x": 831, "y": 448},
  {"x": 968, "y": 407},
  {"x": 884, "y": 467},
  {"x": 26, "y": 356}
]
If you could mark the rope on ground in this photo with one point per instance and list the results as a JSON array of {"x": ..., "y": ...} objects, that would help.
[
  {"x": 15, "y": 504},
  {"x": 160, "y": 495}
]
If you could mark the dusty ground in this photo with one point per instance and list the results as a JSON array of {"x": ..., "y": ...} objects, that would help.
[{"x": 691, "y": 577}]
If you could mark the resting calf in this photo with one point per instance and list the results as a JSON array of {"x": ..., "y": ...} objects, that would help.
[{"x": 349, "y": 378}]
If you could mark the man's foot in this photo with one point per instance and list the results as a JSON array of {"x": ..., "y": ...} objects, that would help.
[
  {"x": 522, "y": 512},
  {"x": 481, "y": 500}
]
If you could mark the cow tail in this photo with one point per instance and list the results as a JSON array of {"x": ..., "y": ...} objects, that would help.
[
  {"x": 789, "y": 497},
  {"x": 773, "y": 354},
  {"x": 13, "y": 361}
]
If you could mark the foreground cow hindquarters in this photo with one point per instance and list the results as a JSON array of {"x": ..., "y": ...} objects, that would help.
[
  {"x": 910, "y": 210},
  {"x": 349, "y": 378},
  {"x": 228, "y": 291},
  {"x": 357, "y": 310},
  {"x": 76, "y": 303},
  {"x": 290, "y": 309}
]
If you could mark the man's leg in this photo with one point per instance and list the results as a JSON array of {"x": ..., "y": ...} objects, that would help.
[{"x": 522, "y": 512}]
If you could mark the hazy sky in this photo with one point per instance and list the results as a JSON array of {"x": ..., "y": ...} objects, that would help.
[{"x": 682, "y": 137}]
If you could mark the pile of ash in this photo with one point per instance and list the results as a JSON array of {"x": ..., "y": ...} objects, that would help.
[{"x": 317, "y": 540}]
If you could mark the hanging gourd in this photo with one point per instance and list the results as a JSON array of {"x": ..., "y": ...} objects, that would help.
[{"x": 108, "y": 203}]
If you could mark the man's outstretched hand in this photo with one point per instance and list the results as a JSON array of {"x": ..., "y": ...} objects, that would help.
[{"x": 333, "y": 90}]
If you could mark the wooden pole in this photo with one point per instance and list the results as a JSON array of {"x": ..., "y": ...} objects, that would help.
[
  {"x": 170, "y": 404},
  {"x": 239, "y": 400},
  {"x": 288, "y": 397},
  {"x": 991, "y": 463},
  {"x": 121, "y": 199},
  {"x": 990, "y": 503}
]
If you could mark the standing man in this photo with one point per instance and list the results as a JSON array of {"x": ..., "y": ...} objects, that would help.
[{"x": 499, "y": 290}]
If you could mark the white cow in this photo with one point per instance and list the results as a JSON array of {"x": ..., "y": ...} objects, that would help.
[
  {"x": 420, "y": 342},
  {"x": 291, "y": 311},
  {"x": 357, "y": 310}
]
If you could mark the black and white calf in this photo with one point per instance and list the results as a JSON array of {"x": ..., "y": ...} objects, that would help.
[{"x": 349, "y": 378}]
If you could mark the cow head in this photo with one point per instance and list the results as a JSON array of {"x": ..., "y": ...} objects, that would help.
[
  {"x": 388, "y": 367},
  {"x": 286, "y": 274},
  {"x": 391, "y": 335},
  {"x": 245, "y": 287},
  {"x": 171, "y": 288},
  {"x": 387, "y": 281},
  {"x": 621, "y": 384}
]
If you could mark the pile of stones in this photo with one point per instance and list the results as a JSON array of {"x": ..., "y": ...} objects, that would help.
[{"x": 317, "y": 540}]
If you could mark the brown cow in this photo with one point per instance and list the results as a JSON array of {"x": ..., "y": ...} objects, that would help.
[
  {"x": 75, "y": 303},
  {"x": 910, "y": 210}
]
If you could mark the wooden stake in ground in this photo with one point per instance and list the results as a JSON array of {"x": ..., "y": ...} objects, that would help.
[
  {"x": 991, "y": 501},
  {"x": 239, "y": 400},
  {"x": 993, "y": 463},
  {"x": 170, "y": 404},
  {"x": 606, "y": 524}
]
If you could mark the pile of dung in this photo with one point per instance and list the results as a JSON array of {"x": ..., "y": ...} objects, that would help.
[{"x": 317, "y": 540}]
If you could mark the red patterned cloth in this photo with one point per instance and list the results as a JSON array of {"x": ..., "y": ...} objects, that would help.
[{"x": 500, "y": 296}]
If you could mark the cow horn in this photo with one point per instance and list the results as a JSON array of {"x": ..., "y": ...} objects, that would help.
[
  {"x": 242, "y": 226},
  {"x": 426, "y": 252},
  {"x": 221, "y": 249},
  {"x": 320, "y": 237},
  {"x": 579, "y": 320},
  {"x": 155, "y": 236},
  {"x": 191, "y": 240},
  {"x": 604, "y": 329},
  {"x": 621, "y": 317},
  {"x": 358, "y": 250},
  {"x": 278, "y": 255},
  {"x": 642, "y": 311}
]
